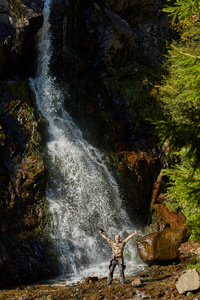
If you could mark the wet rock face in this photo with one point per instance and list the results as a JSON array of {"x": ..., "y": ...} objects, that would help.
[
  {"x": 24, "y": 168},
  {"x": 25, "y": 252},
  {"x": 140, "y": 170},
  {"x": 4, "y": 6},
  {"x": 6, "y": 28},
  {"x": 101, "y": 51},
  {"x": 19, "y": 22},
  {"x": 148, "y": 24},
  {"x": 162, "y": 247}
]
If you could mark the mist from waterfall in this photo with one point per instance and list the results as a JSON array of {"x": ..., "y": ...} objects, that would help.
[{"x": 82, "y": 194}]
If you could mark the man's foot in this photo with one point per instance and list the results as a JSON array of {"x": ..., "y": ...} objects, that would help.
[{"x": 109, "y": 283}]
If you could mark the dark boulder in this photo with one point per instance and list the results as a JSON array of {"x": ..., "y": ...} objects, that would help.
[{"x": 26, "y": 259}]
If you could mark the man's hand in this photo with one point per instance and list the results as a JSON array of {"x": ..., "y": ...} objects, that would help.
[
  {"x": 130, "y": 236},
  {"x": 101, "y": 230}
]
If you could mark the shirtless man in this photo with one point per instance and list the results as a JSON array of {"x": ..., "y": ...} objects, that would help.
[{"x": 117, "y": 258}]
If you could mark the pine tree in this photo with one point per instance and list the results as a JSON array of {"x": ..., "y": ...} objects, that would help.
[{"x": 180, "y": 100}]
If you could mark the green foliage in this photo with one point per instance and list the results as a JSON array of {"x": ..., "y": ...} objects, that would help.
[
  {"x": 183, "y": 83},
  {"x": 180, "y": 126},
  {"x": 189, "y": 294},
  {"x": 181, "y": 137},
  {"x": 196, "y": 266},
  {"x": 184, "y": 190},
  {"x": 194, "y": 226},
  {"x": 183, "y": 9},
  {"x": 180, "y": 92}
]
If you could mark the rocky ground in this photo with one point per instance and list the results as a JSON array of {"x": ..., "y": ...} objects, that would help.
[{"x": 157, "y": 283}]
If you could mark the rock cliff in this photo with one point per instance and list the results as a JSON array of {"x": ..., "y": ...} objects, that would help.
[
  {"x": 25, "y": 252},
  {"x": 107, "y": 55}
]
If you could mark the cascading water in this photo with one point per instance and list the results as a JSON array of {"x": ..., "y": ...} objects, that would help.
[{"x": 83, "y": 196}]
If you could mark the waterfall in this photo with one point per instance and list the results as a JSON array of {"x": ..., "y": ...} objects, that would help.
[{"x": 82, "y": 194}]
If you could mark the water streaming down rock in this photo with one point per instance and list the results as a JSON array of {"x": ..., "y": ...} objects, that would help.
[{"x": 83, "y": 196}]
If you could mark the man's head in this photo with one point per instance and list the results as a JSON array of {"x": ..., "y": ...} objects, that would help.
[{"x": 117, "y": 238}]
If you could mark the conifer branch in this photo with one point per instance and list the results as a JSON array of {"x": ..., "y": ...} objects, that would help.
[{"x": 186, "y": 54}]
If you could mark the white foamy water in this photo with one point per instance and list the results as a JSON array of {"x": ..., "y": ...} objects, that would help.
[{"x": 82, "y": 194}]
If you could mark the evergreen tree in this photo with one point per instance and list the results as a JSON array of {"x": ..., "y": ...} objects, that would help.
[{"x": 180, "y": 100}]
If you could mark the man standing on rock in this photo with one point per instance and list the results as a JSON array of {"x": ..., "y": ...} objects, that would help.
[{"x": 117, "y": 257}]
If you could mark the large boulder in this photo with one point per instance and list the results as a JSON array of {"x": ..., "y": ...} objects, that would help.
[
  {"x": 26, "y": 259},
  {"x": 161, "y": 247}
]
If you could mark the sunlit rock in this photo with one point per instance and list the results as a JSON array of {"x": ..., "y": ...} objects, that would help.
[
  {"x": 164, "y": 216},
  {"x": 162, "y": 247},
  {"x": 189, "y": 252},
  {"x": 91, "y": 279},
  {"x": 137, "y": 282},
  {"x": 189, "y": 281}
]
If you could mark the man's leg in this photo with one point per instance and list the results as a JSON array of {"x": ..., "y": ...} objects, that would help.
[
  {"x": 121, "y": 272},
  {"x": 111, "y": 271}
]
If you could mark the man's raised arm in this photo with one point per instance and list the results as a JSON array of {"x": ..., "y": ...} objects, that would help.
[
  {"x": 130, "y": 236},
  {"x": 105, "y": 237}
]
